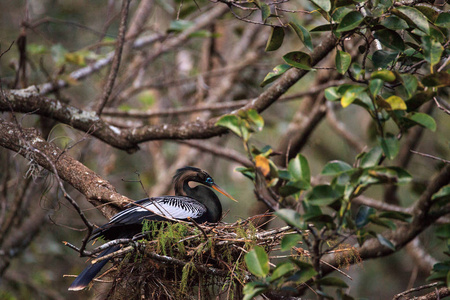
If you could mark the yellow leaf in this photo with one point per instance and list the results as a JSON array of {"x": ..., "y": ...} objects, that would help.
[
  {"x": 396, "y": 103},
  {"x": 263, "y": 164}
]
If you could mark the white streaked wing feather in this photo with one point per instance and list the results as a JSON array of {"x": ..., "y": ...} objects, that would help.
[{"x": 176, "y": 207}]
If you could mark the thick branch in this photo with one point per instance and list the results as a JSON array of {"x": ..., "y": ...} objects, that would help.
[
  {"x": 96, "y": 189},
  {"x": 26, "y": 101}
]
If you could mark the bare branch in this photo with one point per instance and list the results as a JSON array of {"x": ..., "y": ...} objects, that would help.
[
  {"x": 416, "y": 289},
  {"x": 230, "y": 154},
  {"x": 431, "y": 156},
  {"x": 117, "y": 56},
  {"x": 440, "y": 104}
]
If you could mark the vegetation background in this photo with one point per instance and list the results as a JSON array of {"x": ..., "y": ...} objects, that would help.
[{"x": 183, "y": 64}]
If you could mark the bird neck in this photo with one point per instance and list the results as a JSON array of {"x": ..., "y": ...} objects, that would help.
[{"x": 209, "y": 199}]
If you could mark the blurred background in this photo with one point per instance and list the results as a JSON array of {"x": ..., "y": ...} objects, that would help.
[{"x": 221, "y": 63}]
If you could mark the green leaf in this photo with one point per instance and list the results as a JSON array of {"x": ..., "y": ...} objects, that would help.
[
  {"x": 432, "y": 50},
  {"x": 351, "y": 94},
  {"x": 332, "y": 94},
  {"x": 323, "y": 4},
  {"x": 443, "y": 20},
  {"x": 339, "y": 13},
  {"x": 58, "y": 53},
  {"x": 247, "y": 172},
  {"x": 423, "y": 120},
  {"x": 302, "y": 33},
  {"x": 396, "y": 103},
  {"x": 350, "y": 21},
  {"x": 291, "y": 217},
  {"x": 179, "y": 25},
  {"x": 201, "y": 34},
  {"x": 385, "y": 75},
  {"x": 438, "y": 34},
  {"x": 293, "y": 187},
  {"x": 390, "y": 175},
  {"x": 440, "y": 79},
  {"x": 383, "y": 222},
  {"x": 233, "y": 123},
  {"x": 34, "y": 49},
  {"x": 381, "y": 58},
  {"x": 306, "y": 271},
  {"x": 390, "y": 39},
  {"x": 395, "y": 215},
  {"x": 390, "y": 146},
  {"x": 418, "y": 99},
  {"x": 362, "y": 216},
  {"x": 385, "y": 242},
  {"x": 147, "y": 98},
  {"x": 443, "y": 195},
  {"x": 430, "y": 12},
  {"x": 298, "y": 167},
  {"x": 438, "y": 276},
  {"x": 332, "y": 281},
  {"x": 375, "y": 86},
  {"x": 253, "y": 289},
  {"x": 394, "y": 23},
  {"x": 298, "y": 59},
  {"x": 410, "y": 83},
  {"x": 322, "y": 195},
  {"x": 413, "y": 17},
  {"x": 310, "y": 211},
  {"x": 443, "y": 231},
  {"x": 255, "y": 118},
  {"x": 265, "y": 12},
  {"x": 371, "y": 158},
  {"x": 290, "y": 240},
  {"x": 325, "y": 27},
  {"x": 276, "y": 72},
  {"x": 321, "y": 220},
  {"x": 257, "y": 261},
  {"x": 335, "y": 167},
  {"x": 275, "y": 39},
  {"x": 343, "y": 61},
  {"x": 281, "y": 270}
]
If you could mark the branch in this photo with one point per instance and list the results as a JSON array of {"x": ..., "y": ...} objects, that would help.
[
  {"x": 221, "y": 106},
  {"x": 431, "y": 156},
  {"x": 404, "y": 233},
  {"x": 117, "y": 56},
  {"x": 341, "y": 129},
  {"x": 26, "y": 101},
  {"x": 229, "y": 154},
  {"x": 436, "y": 295},
  {"x": 93, "y": 187},
  {"x": 416, "y": 289}
]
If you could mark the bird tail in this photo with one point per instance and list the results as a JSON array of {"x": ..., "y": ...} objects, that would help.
[{"x": 89, "y": 273}]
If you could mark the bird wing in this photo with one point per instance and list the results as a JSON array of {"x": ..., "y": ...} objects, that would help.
[{"x": 175, "y": 207}]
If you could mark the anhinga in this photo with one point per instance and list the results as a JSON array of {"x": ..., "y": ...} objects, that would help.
[{"x": 198, "y": 203}]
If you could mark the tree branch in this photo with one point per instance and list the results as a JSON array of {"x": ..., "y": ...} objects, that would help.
[
  {"x": 26, "y": 101},
  {"x": 117, "y": 56},
  {"x": 93, "y": 187}
]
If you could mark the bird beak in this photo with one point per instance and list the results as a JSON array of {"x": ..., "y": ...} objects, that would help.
[{"x": 220, "y": 190}]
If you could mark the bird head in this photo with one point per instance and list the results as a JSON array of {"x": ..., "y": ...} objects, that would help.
[{"x": 188, "y": 174}]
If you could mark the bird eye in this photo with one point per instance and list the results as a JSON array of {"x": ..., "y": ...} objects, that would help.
[{"x": 209, "y": 180}]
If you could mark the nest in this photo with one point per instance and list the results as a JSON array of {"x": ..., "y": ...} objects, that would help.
[{"x": 181, "y": 260}]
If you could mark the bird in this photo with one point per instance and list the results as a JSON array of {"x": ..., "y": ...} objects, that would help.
[{"x": 199, "y": 204}]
